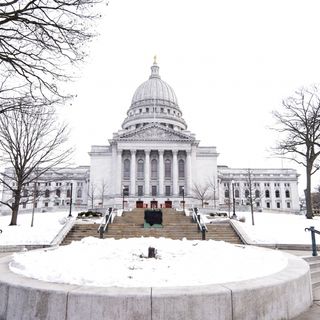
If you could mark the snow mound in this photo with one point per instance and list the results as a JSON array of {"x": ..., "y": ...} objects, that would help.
[{"x": 123, "y": 263}]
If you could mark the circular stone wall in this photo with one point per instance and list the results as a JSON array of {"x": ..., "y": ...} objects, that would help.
[{"x": 282, "y": 295}]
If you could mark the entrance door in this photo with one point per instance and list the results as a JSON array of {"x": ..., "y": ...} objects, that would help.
[
  {"x": 168, "y": 204},
  {"x": 153, "y": 204},
  {"x": 139, "y": 204}
]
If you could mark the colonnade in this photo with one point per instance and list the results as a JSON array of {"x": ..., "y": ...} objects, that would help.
[{"x": 175, "y": 181}]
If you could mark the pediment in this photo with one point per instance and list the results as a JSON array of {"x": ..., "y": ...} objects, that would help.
[{"x": 155, "y": 133}]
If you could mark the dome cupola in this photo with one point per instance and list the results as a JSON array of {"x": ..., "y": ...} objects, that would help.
[{"x": 154, "y": 101}]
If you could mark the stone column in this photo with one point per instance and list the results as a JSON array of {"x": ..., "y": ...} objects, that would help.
[
  {"x": 175, "y": 172},
  {"x": 161, "y": 173},
  {"x": 119, "y": 172},
  {"x": 114, "y": 170},
  {"x": 133, "y": 173},
  {"x": 189, "y": 173},
  {"x": 147, "y": 173}
]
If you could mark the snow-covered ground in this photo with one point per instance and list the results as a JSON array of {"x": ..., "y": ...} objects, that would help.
[
  {"x": 123, "y": 263},
  {"x": 279, "y": 228},
  {"x": 45, "y": 228}
]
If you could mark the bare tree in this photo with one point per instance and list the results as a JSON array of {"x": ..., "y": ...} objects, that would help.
[
  {"x": 92, "y": 193},
  {"x": 201, "y": 192},
  {"x": 252, "y": 194},
  {"x": 104, "y": 187},
  {"x": 40, "y": 40},
  {"x": 299, "y": 125},
  {"x": 32, "y": 143},
  {"x": 213, "y": 186}
]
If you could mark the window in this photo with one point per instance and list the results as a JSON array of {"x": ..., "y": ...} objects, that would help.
[
  {"x": 58, "y": 193},
  {"x": 167, "y": 169},
  {"x": 246, "y": 193},
  {"x": 237, "y": 193},
  {"x": 268, "y": 205},
  {"x": 288, "y": 205},
  {"x": 168, "y": 191},
  {"x": 267, "y": 193},
  {"x": 278, "y": 205},
  {"x": 162, "y": 110},
  {"x": 277, "y": 193},
  {"x": 154, "y": 191},
  {"x": 168, "y": 110},
  {"x": 126, "y": 169},
  {"x": 226, "y": 193},
  {"x": 140, "y": 191},
  {"x": 47, "y": 193},
  {"x": 181, "y": 169},
  {"x": 68, "y": 193},
  {"x": 287, "y": 194},
  {"x": 154, "y": 169},
  {"x": 46, "y": 204},
  {"x": 257, "y": 204},
  {"x": 24, "y": 205},
  {"x": 257, "y": 194},
  {"x": 79, "y": 193},
  {"x": 140, "y": 169},
  {"x": 147, "y": 109},
  {"x": 25, "y": 192}
]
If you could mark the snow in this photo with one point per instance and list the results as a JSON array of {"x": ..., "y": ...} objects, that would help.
[
  {"x": 123, "y": 263},
  {"x": 279, "y": 228},
  {"x": 45, "y": 228}
]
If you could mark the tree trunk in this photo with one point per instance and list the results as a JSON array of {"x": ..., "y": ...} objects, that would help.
[
  {"x": 252, "y": 216},
  {"x": 15, "y": 208},
  {"x": 309, "y": 213}
]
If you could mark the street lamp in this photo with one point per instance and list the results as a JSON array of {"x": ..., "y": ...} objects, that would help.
[
  {"x": 233, "y": 201},
  {"x": 70, "y": 204},
  {"x": 123, "y": 190},
  {"x": 182, "y": 191}
]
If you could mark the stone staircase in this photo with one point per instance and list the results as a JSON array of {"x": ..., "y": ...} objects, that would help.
[
  {"x": 175, "y": 226},
  {"x": 314, "y": 264}
]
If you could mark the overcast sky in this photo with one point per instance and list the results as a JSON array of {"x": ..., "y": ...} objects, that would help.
[{"x": 229, "y": 62}]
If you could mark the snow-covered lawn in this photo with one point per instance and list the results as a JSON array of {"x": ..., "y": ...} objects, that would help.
[
  {"x": 123, "y": 263},
  {"x": 279, "y": 228},
  {"x": 46, "y": 226}
]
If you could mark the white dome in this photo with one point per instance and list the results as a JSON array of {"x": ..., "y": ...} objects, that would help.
[
  {"x": 154, "y": 101},
  {"x": 154, "y": 91}
]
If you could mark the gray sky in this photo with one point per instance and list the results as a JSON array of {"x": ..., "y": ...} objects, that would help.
[{"x": 230, "y": 63}]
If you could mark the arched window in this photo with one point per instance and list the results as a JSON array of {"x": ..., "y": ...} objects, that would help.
[
  {"x": 167, "y": 169},
  {"x": 226, "y": 193},
  {"x": 58, "y": 193},
  {"x": 277, "y": 193},
  {"x": 267, "y": 193},
  {"x": 79, "y": 193},
  {"x": 237, "y": 193},
  {"x": 68, "y": 193},
  {"x": 154, "y": 169},
  {"x": 257, "y": 194},
  {"x": 246, "y": 193},
  {"x": 287, "y": 194},
  {"x": 140, "y": 169},
  {"x": 181, "y": 169},
  {"x": 126, "y": 169},
  {"x": 47, "y": 193}
]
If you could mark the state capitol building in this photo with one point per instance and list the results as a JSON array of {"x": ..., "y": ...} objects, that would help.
[{"x": 154, "y": 161}]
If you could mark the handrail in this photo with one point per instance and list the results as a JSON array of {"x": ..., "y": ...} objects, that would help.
[
  {"x": 201, "y": 225},
  {"x": 313, "y": 239},
  {"x": 108, "y": 219}
]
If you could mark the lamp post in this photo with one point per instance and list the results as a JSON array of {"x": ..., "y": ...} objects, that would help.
[
  {"x": 70, "y": 204},
  {"x": 233, "y": 201},
  {"x": 123, "y": 189},
  {"x": 182, "y": 190}
]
